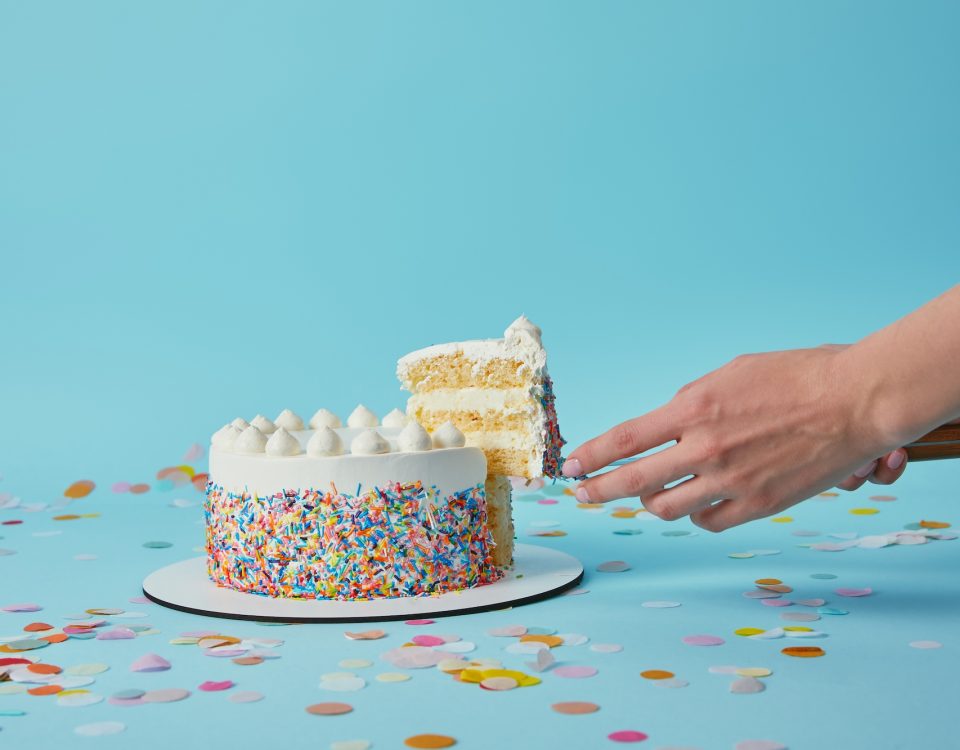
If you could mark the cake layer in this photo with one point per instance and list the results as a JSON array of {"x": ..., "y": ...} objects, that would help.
[
  {"x": 447, "y": 469},
  {"x": 454, "y": 369},
  {"x": 499, "y": 514}
]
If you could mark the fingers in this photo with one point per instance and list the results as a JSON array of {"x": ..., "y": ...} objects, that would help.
[
  {"x": 637, "y": 479},
  {"x": 721, "y": 516},
  {"x": 682, "y": 500},
  {"x": 890, "y": 468},
  {"x": 626, "y": 439},
  {"x": 856, "y": 480}
]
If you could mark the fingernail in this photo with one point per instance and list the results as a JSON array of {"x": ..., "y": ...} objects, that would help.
[
  {"x": 865, "y": 471},
  {"x": 895, "y": 459},
  {"x": 572, "y": 468},
  {"x": 582, "y": 495}
]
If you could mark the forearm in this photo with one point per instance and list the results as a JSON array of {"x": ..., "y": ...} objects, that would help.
[{"x": 908, "y": 374}]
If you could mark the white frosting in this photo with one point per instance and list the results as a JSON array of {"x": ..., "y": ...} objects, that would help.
[
  {"x": 289, "y": 421},
  {"x": 414, "y": 438},
  {"x": 521, "y": 342},
  {"x": 266, "y": 426},
  {"x": 448, "y": 436},
  {"x": 226, "y": 436},
  {"x": 282, "y": 443},
  {"x": 368, "y": 443},
  {"x": 362, "y": 417},
  {"x": 449, "y": 470},
  {"x": 503, "y": 400},
  {"x": 251, "y": 440},
  {"x": 395, "y": 418},
  {"x": 325, "y": 442},
  {"x": 240, "y": 423},
  {"x": 324, "y": 418}
]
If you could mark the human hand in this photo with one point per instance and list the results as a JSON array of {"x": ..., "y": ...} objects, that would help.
[{"x": 758, "y": 435}]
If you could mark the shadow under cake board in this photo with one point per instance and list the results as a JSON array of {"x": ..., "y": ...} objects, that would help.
[{"x": 538, "y": 573}]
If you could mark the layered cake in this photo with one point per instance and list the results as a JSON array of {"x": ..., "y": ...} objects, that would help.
[
  {"x": 366, "y": 511},
  {"x": 499, "y": 394},
  {"x": 416, "y": 504}
]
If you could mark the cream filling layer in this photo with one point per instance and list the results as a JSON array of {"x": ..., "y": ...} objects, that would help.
[{"x": 474, "y": 399}]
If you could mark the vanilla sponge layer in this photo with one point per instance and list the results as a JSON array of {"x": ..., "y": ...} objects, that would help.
[{"x": 456, "y": 370}]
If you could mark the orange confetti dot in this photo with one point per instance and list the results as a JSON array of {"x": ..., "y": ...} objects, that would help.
[
  {"x": 200, "y": 481},
  {"x": 656, "y": 674},
  {"x": 247, "y": 661},
  {"x": 329, "y": 709},
  {"x": 55, "y": 638},
  {"x": 551, "y": 640},
  {"x": 430, "y": 741},
  {"x": 803, "y": 651},
  {"x": 139, "y": 489},
  {"x": 45, "y": 690},
  {"x": 44, "y": 668},
  {"x": 36, "y": 627},
  {"x": 934, "y": 525},
  {"x": 574, "y": 708},
  {"x": 79, "y": 489},
  {"x": 767, "y": 581},
  {"x": 829, "y": 494},
  {"x": 780, "y": 588}
]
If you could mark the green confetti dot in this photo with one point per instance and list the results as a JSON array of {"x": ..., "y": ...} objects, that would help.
[{"x": 157, "y": 545}]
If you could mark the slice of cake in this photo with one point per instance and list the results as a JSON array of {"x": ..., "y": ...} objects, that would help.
[{"x": 499, "y": 394}]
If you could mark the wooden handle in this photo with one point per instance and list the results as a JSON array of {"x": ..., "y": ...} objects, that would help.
[{"x": 943, "y": 442}]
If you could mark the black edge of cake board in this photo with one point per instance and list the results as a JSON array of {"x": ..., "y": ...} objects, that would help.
[{"x": 532, "y": 599}]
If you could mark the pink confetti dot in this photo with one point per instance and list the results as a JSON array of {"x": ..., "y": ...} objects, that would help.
[
  {"x": 119, "y": 487},
  {"x": 854, "y": 592},
  {"x": 25, "y": 607},
  {"x": 211, "y": 686},
  {"x": 428, "y": 640},
  {"x": 575, "y": 671},
  {"x": 703, "y": 640},
  {"x": 547, "y": 501},
  {"x": 776, "y": 602},
  {"x": 627, "y": 735},
  {"x": 419, "y": 622}
]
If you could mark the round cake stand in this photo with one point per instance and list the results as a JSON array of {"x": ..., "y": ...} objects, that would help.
[{"x": 538, "y": 573}]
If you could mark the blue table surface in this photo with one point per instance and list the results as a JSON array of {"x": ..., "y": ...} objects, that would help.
[{"x": 870, "y": 690}]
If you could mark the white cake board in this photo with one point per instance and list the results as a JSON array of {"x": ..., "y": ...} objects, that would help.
[{"x": 538, "y": 573}]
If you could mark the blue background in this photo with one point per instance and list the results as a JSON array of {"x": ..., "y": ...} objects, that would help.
[{"x": 219, "y": 208}]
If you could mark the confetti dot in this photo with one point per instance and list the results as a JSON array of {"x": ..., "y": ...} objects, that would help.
[
  {"x": 157, "y": 545},
  {"x": 656, "y": 604},
  {"x": 245, "y": 696},
  {"x": 627, "y": 735},
  {"x": 767, "y": 581},
  {"x": 854, "y": 592},
  {"x": 139, "y": 489},
  {"x": 429, "y": 741},
  {"x": 120, "y": 487},
  {"x": 354, "y": 663},
  {"x": 741, "y": 555},
  {"x": 575, "y": 708},
  {"x": 393, "y": 677},
  {"x": 419, "y": 622},
  {"x": 87, "y": 669},
  {"x": 803, "y": 651},
  {"x": 753, "y": 671},
  {"x": 329, "y": 709},
  {"x": 823, "y": 576},
  {"x": 575, "y": 671},
  {"x": 606, "y": 648},
  {"x": 248, "y": 661},
  {"x": 926, "y": 644},
  {"x": 350, "y": 745},
  {"x": 100, "y": 728},
  {"x": 864, "y": 511},
  {"x": 883, "y": 498},
  {"x": 499, "y": 683},
  {"x": 934, "y": 525},
  {"x": 747, "y": 685},
  {"x": 759, "y": 745},
  {"x": 746, "y": 632},
  {"x": 79, "y": 489},
  {"x": 508, "y": 631},
  {"x": 703, "y": 640},
  {"x": 656, "y": 674},
  {"x": 613, "y": 566},
  {"x": 672, "y": 682},
  {"x": 129, "y": 694},
  {"x": 166, "y": 695},
  {"x": 782, "y": 519}
]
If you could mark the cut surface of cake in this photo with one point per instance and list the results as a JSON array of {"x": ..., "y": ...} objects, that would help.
[
  {"x": 367, "y": 511},
  {"x": 497, "y": 392}
]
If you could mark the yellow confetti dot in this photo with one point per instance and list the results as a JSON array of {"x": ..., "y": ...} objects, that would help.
[
  {"x": 782, "y": 519},
  {"x": 748, "y": 631},
  {"x": 829, "y": 494},
  {"x": 754, "y": 672},
  {"x": 392, "y": 677},
  {"x": 798, "y": 629},
  {"x": 767, "y": 581},
  {"x": 864, "y": 511}
]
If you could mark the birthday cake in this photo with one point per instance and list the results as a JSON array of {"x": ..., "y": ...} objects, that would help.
[{"x": 406, "y": 506}]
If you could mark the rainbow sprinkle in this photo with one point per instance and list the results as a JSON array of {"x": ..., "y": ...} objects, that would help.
[
  {"x": 552, "y": 459},
  {"x": 398, "y": 540}
]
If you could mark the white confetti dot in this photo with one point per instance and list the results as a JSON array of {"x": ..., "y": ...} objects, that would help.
[
  {"x": 100, "y": 728},
  {"x": 926, "y": 644}
]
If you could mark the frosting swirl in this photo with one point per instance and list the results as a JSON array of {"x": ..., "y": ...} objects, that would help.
[
  {"x": 368, "y": 443},
  {"x": 395, "y": 418},
  {"x": 324, "y": 442},
  {"x": 448, "y": 436},
  {"x": 324, "y": 418},
  {"x": 362, "y": 417},
  {"x": 263, "y": 424},
  {"x": 251, "y": 440},
  {"x": 226, "y": 436},
  {"x": 282, "y": 443},
  {"x": 289, "y": 421},
  {"x": 414, "y": 438}
]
